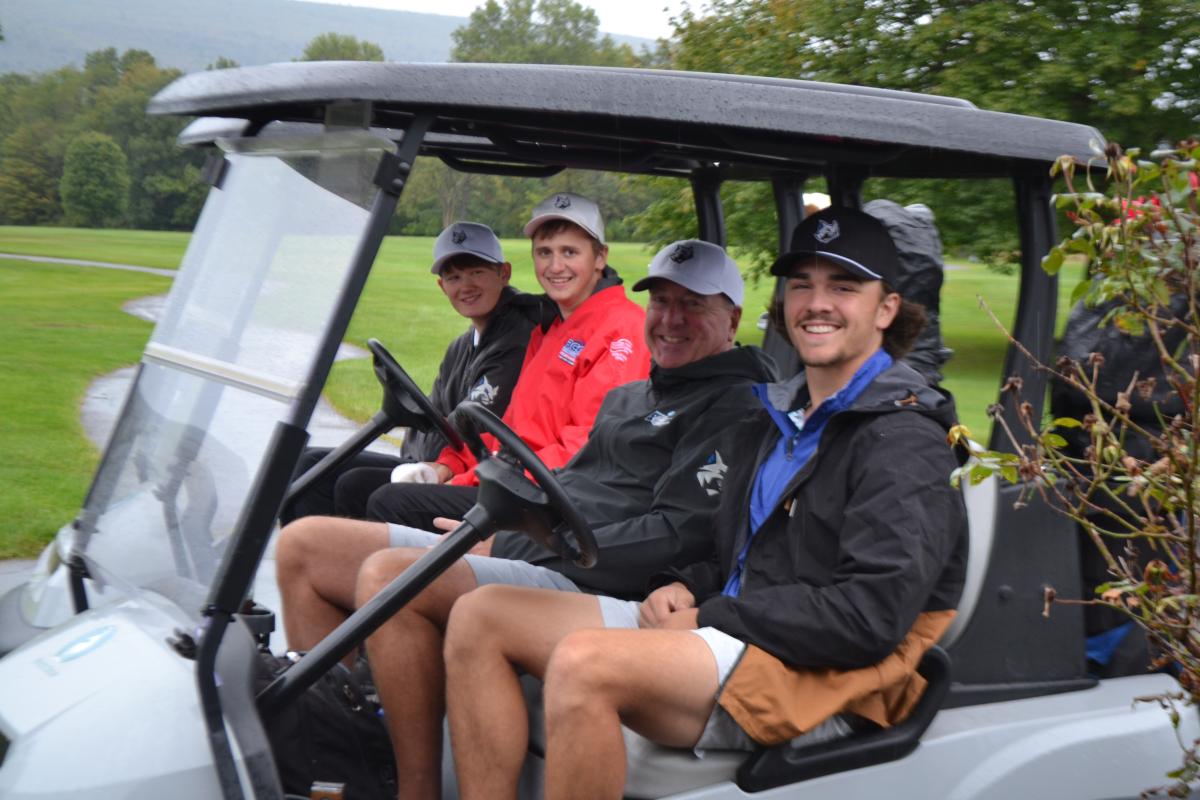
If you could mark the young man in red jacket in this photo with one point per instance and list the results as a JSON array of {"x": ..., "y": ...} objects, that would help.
[{"x": 593, "y": 345}]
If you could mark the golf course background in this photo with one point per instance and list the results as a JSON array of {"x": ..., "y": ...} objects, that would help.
[{"x": 62, "y": 327}]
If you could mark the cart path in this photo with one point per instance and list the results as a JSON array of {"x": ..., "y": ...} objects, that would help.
[{"x": 78, "y": 262}]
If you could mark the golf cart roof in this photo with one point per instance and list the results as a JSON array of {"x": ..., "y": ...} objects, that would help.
[{"x": 493, "y": 116}]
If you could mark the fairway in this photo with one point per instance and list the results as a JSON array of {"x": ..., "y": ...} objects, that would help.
[{"x": 63, "y": 327}]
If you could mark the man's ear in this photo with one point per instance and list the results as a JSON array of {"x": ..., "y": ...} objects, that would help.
[
  {"x": 735, "y": 318},
  {"x": 888, "y": 308},
  {"x": 441, "y": 285},
  {"x": 505, "y": 271}
]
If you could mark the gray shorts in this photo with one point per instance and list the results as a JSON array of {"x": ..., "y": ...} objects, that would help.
[
  {"x": 721, "y": 732},
  {"x": 501, "y": 570}
]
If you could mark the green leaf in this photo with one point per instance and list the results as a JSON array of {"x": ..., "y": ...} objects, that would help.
[
  {"x": 1010, "y": 473},
  {"x": 1080, "y": 290},
  {"x": 1054, "y": 440},
  {"x": 979, "y": 473},
  {"x": 1067, "y": 422},
  {"x": 1053, "y": 261}
]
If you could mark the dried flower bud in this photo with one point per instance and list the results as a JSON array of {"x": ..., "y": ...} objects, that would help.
[
  {"x": 1123, "y": 405},
  {"x": 1145, "y": 389},
  {"x": 1026, "y": 411},
  {"x": 1095, "y": 360},
  {"x": 995, "y": 410},
  {"x": 1048, "y": 596},
  {"x": 1089, "y": 421},
  {"x": 1132, "y": 465},
  {"x": 1013, "y": 384}
]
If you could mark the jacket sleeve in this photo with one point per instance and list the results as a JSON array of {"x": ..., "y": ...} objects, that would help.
[
  {"x": 675, "y": 529},
  {"x": 899, "y": 528},
  {"x": 604, "y": 372}
]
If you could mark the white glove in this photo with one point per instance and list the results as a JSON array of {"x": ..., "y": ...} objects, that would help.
[{"x": 419, "y": 472}]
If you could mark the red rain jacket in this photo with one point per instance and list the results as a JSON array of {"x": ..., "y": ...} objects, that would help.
[{"x": 566, "y": 373}]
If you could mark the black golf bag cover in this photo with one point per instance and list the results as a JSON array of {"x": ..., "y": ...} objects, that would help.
[{"x": 921, "y": 273}]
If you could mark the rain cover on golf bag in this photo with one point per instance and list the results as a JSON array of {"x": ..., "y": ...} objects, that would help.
[{"x": 921, "y": 272}]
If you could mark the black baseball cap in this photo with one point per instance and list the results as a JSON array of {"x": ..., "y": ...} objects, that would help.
[{"x": 847, "y": 237}]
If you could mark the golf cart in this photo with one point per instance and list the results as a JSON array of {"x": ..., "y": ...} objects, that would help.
[{"x": 143, "y": 689}]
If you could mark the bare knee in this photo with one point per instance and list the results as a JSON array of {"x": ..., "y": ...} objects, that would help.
[
  {"x": 579, "y": 675},
  {"x": 472, "y": 629},
  {"x": 299, "y": 543},
  {"x": 378, "y": 570}
]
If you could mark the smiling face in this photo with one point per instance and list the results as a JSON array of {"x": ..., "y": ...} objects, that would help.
[
  {"x": 473, "y": 286},
  {"x": 568, "y": 266},
  {"x": 683, "y": 326},
  {"x": 834, "y": 319}
]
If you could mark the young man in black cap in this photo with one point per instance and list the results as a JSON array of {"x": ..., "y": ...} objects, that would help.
[
  {"x": 840, "y": 547},
  {"x": 481, "y": 365}
]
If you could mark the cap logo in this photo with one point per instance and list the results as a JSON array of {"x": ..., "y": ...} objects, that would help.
[
  {"x": 681, "y": 253},
  {"x": 827, "y": 231},
  {"x": 458, "y": 236},
  {"x": 562, "y": 201}
]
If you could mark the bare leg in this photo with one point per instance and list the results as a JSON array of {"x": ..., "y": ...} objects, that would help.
[
  {"x": 661, "y": 683},
  {"x": 406, "y": 664},
  {"x": 316, "y": 565},
  {"x": 493, "y": 632}
]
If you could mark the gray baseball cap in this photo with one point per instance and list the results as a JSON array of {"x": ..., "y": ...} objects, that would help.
[
  {"x": 701, "y": 267},
  {"x": 466, "y": 238},
  {"x": 571, "y": 207}
]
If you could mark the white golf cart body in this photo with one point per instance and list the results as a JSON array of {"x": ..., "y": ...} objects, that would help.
[{"x": 138, "y": 684}]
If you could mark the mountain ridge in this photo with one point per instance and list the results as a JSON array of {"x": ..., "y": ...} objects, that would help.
[{"x": 50, "y": 34}]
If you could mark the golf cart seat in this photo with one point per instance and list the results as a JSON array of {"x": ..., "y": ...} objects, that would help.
[{"x": 657, "y": 771}]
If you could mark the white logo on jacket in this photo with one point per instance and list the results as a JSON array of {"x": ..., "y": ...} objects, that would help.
[
  {"x": 621, "y": 350},
  {"x": 712, "y": 475},
  {"x": 483, "y": 392},
  {"x": 660, "y": 418}
]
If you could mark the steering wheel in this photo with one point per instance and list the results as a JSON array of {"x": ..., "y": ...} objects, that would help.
[
  {"x": 515, "y": 502},
  {"x": 414, "y": 408}
]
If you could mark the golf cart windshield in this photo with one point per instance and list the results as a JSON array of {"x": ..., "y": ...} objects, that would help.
[{"x": 244, "y": 326}]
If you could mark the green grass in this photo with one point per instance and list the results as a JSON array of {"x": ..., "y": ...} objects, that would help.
[
  {"x": 162, "y": 249},
  {"x": 62, "y": 327}
]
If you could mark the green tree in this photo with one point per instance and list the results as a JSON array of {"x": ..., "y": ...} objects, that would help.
[
  {"x": 95, "y": 182},
  {"x": 341, "y": 47},
  {"x": 29, "y": 168},
  {"x": 537, "y": 32},
  {"x": 1124, "y": 67},
  {"x": 223, "y": 63}
]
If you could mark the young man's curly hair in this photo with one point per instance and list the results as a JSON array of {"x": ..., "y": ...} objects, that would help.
[{"x": 898, "y": 338}]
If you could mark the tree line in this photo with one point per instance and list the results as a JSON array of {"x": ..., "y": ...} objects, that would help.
[{"x": 77, "y": 148}]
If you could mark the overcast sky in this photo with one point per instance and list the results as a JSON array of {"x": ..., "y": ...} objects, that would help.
[{"x": 647, "y": 18}]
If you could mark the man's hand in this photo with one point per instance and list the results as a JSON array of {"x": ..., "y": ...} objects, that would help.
[
  {"x": 446, "y": 524},
  {"x": 670, "y": 606},
  {"x": 420, "y": 472}
]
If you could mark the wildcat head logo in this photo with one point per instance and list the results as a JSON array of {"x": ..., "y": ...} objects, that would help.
[
  {"x": 682, "y": 253},
  {"x": 458, "y": 236},
  {"x": 712, "y": 475},
  {"x": 483, "y": 392},
  {"x": 660, "y": 418},
  {"x": 827, "y": 231},
  {"x": 562, "y": 201}
]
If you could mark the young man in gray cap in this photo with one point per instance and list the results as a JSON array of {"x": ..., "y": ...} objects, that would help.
[
  {"x": 647, "y": 479},
  {"x": 482, "y": 365},
  {"x": 840, "y": 544}
]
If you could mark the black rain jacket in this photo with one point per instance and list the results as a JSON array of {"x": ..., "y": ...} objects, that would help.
[
  {"x": 868, "y": 535},
  {"x": 485, "y": 372},
  {"x": 650, "y": 475}
]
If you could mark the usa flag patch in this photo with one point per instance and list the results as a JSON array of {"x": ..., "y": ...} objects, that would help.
[
  {"x": 621, "y": 349},
  {"x": 570, "y": 351}
]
